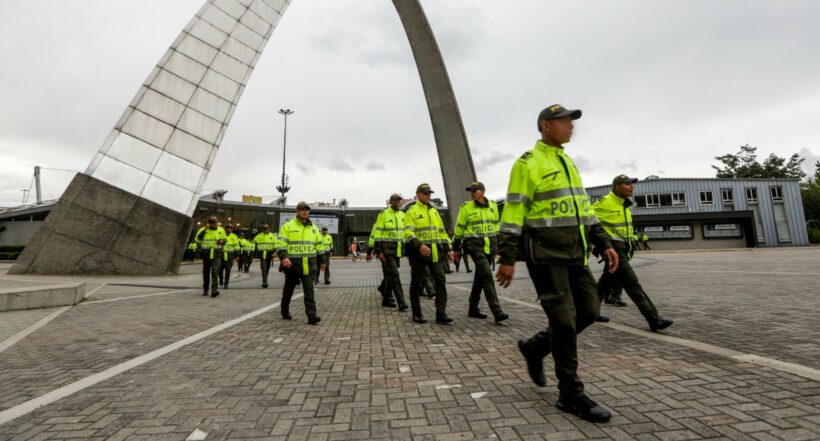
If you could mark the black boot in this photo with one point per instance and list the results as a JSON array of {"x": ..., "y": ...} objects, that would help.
[
  {"x": 214, "y": 293},
  {"x": 475, "y": 313},
  {"x": 419, "y": 319},
  {"x": 314, "y": 320},
  {"x": 501, "y": 316},
  {"x": 584, "y": 408},
  {"x": 602, "y": 319},
  {"x": 535, "y": 365},
  {"x": 442, "y": 319},
  {"x": 658, "y": 323}
]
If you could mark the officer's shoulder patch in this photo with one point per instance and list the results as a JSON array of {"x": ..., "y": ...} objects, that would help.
[{"x": 526, "y": 156}]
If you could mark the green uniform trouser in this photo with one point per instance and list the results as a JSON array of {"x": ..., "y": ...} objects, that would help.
[
  {"x": 326, "y": 261},
  {"x": 569, "y": 297},
  {"x": 210, "y": 270},
  {"x": 625, "y": 277},
  {"x": 264, "y": 265},
  {"x": 225, "y": 268},
  {"x": 418, "y": 273},
  {"x": 294, "y": 275},
  {"x": 391, "y": 285},
  {"x": 483, "y": 281}
]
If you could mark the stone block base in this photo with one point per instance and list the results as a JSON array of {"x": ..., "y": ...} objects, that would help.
[{"x": 98, "y": 229}]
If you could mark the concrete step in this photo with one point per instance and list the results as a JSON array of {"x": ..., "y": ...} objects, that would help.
[{"x": 41, "y": 296}]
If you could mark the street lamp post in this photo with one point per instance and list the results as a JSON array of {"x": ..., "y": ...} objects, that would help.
[
  {"x": 25, "y": 195},
  {"x": 283, "y": 188}
]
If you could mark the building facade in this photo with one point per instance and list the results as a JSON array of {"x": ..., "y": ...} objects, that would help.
[{"x": 703, "y": 213}]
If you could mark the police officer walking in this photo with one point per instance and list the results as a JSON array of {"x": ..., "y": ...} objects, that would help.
[
  {"x": 230, "y": 251},
  {"x": 616, "y": 218},
  {"x": 427, "y": 244},
  {"x": 265, "y": 245},
  {"x": 548, "y": 210},
  {"x": 247, "y": 253},
  {"x": 210, "y": 239},
  {"x": 386, "y": 238},
  {"x": 477, "y": 235},
  {"x": 327, "y": 251},
  {"x": 297, "y": 249}
]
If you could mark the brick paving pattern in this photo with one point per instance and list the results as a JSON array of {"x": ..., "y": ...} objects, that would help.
[{"x": 367, "y": 372}]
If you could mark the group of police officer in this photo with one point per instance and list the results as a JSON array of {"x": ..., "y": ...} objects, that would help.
[{"x": 548, "y": 222}]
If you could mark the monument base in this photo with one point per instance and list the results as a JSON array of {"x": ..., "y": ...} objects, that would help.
[{"x": 98, "y": 229}]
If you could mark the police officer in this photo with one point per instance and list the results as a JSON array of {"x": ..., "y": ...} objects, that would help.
[
  {"x": 477, "y": 235},
  {"x": 427, "y": 244},
  {"x": 190, "y": 252},
  {"x": 386, "y": 240},
  {"x": 265, "y": 245},
  {"x": 230, "y": 251},
  {"x": 645, "y": 241},
  {"x": 210, "y": 239},
  {"x": 616, "y": 217},
  {"x": 327, "y": 251},
  {"x": 247, "y": 253},
  {"x": 297, "y": 249},
  {"x": 547, "y": 210}
]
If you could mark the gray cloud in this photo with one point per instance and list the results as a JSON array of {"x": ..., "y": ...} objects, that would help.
[
  {"x": 485, "y": 161},
  {"x": 339, "y": 164},
  {"x": 373, "y": 165}
]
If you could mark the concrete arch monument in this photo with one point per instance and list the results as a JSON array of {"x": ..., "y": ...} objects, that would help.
[{"x": 129, "y": 213}]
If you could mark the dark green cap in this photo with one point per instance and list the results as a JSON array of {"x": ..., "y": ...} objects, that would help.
[
  {"x": 556, "y": 111},
  {"x": 623, "y": 179},
  {"x": 424, "y": 188},
  {"x": 302, "y": 206},
  {"x": 475, "y": 186}
]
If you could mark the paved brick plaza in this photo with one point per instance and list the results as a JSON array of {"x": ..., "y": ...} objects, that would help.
[{"x": 743, "y": 363}]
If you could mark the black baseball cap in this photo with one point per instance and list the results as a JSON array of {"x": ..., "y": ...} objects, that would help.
[
  {"x": 424, "y": 188},
  {"x": 212, "y": 219},
  {"x": 395, "y": 196},
  {"x": 623, "y": 179},
  {"x": 475, "y": 186},
  {"x": 557, "y": 111},
  {"x": 302, "y": 206}
]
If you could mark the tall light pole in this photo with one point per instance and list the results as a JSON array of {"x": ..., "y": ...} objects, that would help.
[
  {"x": 283, "y": 188},
  {"x": 25, "y": 195}
]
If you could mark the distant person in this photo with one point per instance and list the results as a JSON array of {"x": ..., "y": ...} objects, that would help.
[
  {"x": 354, "y": 251},
  {"x": 645, "y": 241},
  {"x": 427, "y": 244},
  {"x": 190, "y": 251},
  {"x": 210, "y": 239},
  {"x": 387, "y": 243},
  {"x": 477, "y": 235},
  {"x": 327, "y": 251},
  {"x": 297, "y": 249},
  {"x": 230, "y": 252},
  {"x": 248, "y": 248},
  {"x": 636, "y": 241},
  {"x": 613, "y": 210},
  {"x": 265, "y": 243}
]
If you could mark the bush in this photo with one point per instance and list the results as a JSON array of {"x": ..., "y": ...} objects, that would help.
[
  {"x": 814, "y": 235},
  {"x": 5, "y": 255},
  {"x": 11, "y": 248}
]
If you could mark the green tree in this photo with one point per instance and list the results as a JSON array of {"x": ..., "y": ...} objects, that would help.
[{"x": 744, "y": 164}]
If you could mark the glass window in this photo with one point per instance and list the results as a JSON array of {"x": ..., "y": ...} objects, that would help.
[
  {"x": 678, "y": 199},
  {"x": 751, "y": 195},
  {"x": 669, "y": 232},
  {"x": 711, "y": 231},
  {"x": 640, "y": 201},
  {"x": 653, "y": 200},
  {"x": 777, "y": 193},
  {"x": 727, "y": 196},
  {"x": 706, "y": 197}
]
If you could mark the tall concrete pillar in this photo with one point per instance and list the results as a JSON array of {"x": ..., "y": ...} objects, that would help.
[
  {"x": 130, "y": 212},
  {"x": 457, "y": 169}
]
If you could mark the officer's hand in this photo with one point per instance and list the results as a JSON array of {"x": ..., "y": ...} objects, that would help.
[
  {"x": 612, "y": 259},
  {"x": 369, "y": 257},
  {"x": 425, "y": 251},
  {"x": 286, "y": 262},
  {"x": 381, "y": 257},
  {"x": 505, "y": 275},
  {"x": 456, "y": 256},
  {"x": 322, "y": 267},
  {"x": 450, "y": 256}
]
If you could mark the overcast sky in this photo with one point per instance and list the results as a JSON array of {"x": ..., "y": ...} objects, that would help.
[{"x": 664, "y": 86}]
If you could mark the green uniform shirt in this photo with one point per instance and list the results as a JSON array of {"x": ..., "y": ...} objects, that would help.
[
  {"x": 477, "y": 224},
  {"x": 423, "y": 225},
  {"x": 299, "y": 240},
  {"x": 265, "y": 243},
  {"x": 548, "y": 205},
  {"x": 388, "y": 231},
  {"x": 208, "y": 239},
  {"x": 616, "y": 218}
]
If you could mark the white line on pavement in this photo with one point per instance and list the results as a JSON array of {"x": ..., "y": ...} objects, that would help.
[
  {"x": 7, "y": 343},
  {"x": 91, "y": 293},
  {"x": 137, "y": 297},
  {"x": 792, "y": 368},
  {"x": 77, "y": 386}
]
